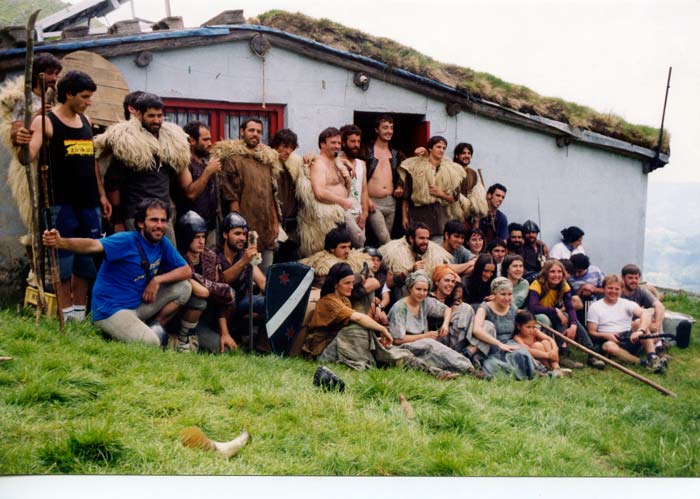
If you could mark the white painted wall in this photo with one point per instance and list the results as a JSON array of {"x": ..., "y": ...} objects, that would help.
[{"x": 601, "y": 192}]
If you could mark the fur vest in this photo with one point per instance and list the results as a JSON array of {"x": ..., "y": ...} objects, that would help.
[
  {"x": 262, "y": 154},
  {"x": 315, "y": 218},
  {"x": 294, "y": 166},
  {"x": 11, "y": 94},
  {"x": 322, "y": 261},
  {"x": 137, "y": 148},
  {"x": 399, "y": 259},
  {"x": 448, "y": 178}
]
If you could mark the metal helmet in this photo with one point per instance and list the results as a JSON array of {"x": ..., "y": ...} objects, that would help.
[
  {"x": 373, "y": 252},
  {"x": 188, "y": 226},
  {"x": 530, "y": 226},
  {"x": 234, "y": 220}
]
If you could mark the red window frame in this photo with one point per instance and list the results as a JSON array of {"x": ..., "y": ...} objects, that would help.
[{"x": 217, "y": 111}]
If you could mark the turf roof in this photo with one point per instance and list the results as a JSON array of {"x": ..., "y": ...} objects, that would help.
[{"x": 480, "y": 85}]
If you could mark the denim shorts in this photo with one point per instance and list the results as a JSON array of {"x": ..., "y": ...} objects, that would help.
[{"x": 76, "y": 222}]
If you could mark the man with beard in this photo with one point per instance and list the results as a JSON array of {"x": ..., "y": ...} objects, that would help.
[
  {"x": 142, "y": 278},
  {"x": 515, "y": 239},
  {"x": 631, "y": 290},
  {"x": 147, "y": 156},
  {"x": 384, "y": 186},
  {"x": 331, "y": 181},
  {"x": 249, "y": 185},
  {"x": 495, "y": 223},
  {"x": 234, "y": 260},
  {"x": 534, "y": 251},
  {"x": 413, "y": 252},
  {"x": 473, "y": 194},
  {"x": 198, "y": 181},
  {"x": 79, "y": 199},
  {"x": 351, "y": 143}
]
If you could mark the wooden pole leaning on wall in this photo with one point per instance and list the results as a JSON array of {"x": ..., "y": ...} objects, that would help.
[{"x": 612, "y": 363}]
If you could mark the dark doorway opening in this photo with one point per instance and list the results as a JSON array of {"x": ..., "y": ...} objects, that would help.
[{"x": 410, "y": 130}]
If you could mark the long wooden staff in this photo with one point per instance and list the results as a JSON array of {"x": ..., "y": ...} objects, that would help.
[
  {"x": 44, "y": 167},
  {"x": 30, "y": 173},
  {"x": 609, "y": 362}
]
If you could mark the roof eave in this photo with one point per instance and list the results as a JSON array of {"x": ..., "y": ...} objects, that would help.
[{"x": 110, "y": 46}]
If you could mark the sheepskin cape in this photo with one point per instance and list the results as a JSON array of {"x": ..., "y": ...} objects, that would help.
[
  {"x": 473, "y": 204},
  {"x": 138, "y": 148},
  {"x": 448, "y": 178},
  {"x": 322, "y": 261},
  {"x": 398, "y": 257},
  {"x": 294, "y": 166},
  {"x": 11, "y": 94},
  {"x": 316, "y": 219}
]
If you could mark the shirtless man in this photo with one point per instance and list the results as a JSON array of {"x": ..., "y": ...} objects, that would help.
[
  {"x": 383, "y": 185},
  {"x": 331, "y": 180}
]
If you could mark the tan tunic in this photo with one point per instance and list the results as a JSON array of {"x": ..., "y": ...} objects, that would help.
[
  {"x": 250, "y": 183},
  {"x": 331, "y": 314}
]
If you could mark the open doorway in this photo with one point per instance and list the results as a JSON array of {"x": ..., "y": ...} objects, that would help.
[{"x": 410, "y": 130}]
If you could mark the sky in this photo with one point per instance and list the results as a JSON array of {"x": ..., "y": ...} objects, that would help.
[{"x": 612, "y": 56}]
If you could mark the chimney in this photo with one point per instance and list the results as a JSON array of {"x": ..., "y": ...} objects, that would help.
[
  {"x": 128, "y": 27},
  {"x": 172, "y": 22},
  {"x": 75, "y": 32},
  {"x": 13, "y": 36},
  {"x": 226, "y": 17}
]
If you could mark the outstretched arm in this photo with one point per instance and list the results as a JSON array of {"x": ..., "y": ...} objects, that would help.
[{"x": 52, "y": 239}]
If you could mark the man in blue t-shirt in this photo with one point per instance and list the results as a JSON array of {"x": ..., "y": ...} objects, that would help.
[{"x": 143, "y": 277}]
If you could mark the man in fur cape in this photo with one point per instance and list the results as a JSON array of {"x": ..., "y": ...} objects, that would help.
[
  {"x": 413, "y": 252},
  {"x": 12, "y": 131},
  {"x": 287, "y": 170},
  {"x": 147, "y": 155},
  {"x": 431, "y": 188},
  {"x": 315, "y": 218},
  {"x": 249, "y": 185}
]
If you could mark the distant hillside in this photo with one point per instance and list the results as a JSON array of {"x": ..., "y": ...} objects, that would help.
[
  {"x": 16, "y": 12},
  {"x": 672, "y": 251}
]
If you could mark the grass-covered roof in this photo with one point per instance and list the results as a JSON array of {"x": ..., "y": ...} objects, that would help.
[{"x": 478, "y": 84}]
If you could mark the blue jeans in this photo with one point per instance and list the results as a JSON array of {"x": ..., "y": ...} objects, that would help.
[{"x": 76, "y": 222}]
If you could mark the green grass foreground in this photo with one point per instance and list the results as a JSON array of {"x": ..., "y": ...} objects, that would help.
[{"x": 77, "y": 403}]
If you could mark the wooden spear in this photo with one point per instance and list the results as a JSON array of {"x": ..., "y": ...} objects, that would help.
[
  {"x": 608, "y": 361},
  {"x": 25, "y": 159}
]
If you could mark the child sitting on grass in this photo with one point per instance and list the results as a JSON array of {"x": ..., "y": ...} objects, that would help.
[{"x": 540, "y": 346}]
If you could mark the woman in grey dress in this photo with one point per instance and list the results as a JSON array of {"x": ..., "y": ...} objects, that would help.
[
  {"x": 408, "y": 325},
  {"x": 494, "y": 324}
]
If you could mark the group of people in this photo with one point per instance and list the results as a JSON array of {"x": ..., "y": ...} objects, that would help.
[{"x": 195, "y": 226}]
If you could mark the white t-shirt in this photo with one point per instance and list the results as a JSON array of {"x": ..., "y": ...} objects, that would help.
[
  {"x": 612, "y": 318},
  {"x": 356, "y": 188},
  {"x": 560, "y": 251}
]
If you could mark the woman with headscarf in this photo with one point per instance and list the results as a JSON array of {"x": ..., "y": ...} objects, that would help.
[
  {"x": 571, "y": 244},
  {"x": 494, "y": 325},
  {"x": 337, "y": 333},
  {"x": 445, "y": 281},
  {"x": 408, "y": 325}
]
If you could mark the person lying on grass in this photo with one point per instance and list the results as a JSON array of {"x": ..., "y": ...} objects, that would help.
[
  {"x": 409, "y": 327},
  {"x": 611, "y": 322},
  {"x": 337, "y": 333},
  {"x": 143, "y": 278},
  {"x": 540, "y": 346}
]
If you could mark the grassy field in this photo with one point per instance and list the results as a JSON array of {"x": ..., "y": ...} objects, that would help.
[{"x": 78, "y": 404}]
